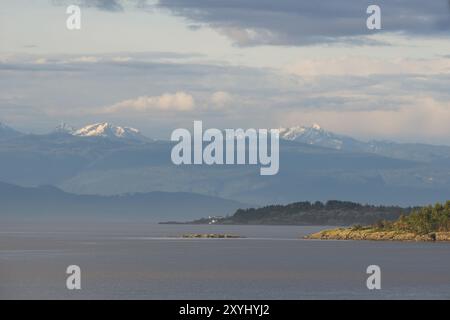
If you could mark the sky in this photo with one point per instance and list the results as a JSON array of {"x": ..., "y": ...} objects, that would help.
[{"x": 160, "y": 65}]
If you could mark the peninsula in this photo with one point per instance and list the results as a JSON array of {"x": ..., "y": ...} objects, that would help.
[
  {"x": 424, "y": 224},
  {"x": 330, "y": 213}
]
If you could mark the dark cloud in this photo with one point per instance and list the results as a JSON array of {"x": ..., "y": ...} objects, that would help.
[
  {"x": 296, "y": 22},
  {"x": 299, "y": 22},
  {"x": 38, "y": 67},
  {"x": 106, "y": 5}
]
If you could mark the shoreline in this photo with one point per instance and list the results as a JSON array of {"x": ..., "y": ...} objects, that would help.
[{"x": 371, "y": 234}]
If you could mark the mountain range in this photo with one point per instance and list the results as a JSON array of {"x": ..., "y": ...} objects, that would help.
[
  {"x": 315, "y": 164},
  {"x": 104, "y": 130},
  {"x": 315, "y": 135}
]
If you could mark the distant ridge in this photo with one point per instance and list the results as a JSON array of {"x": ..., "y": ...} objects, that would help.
[
  {"x": 318, "y": 213},
  {"x": 64, "y": 128},
  {"x": 316, "y": 135},
  {"x": 8, "y": 132},
  {"x": 49, "y": 201}
]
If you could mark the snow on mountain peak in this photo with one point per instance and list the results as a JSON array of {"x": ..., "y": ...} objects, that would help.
[
  {"x": 293, "y": 133},
  {"x": 314, "y": 135},
  {"x": 107, "y": 130}
]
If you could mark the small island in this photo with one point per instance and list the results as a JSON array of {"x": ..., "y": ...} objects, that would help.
[
  {"x": 425, "y": 224},
  {"x": 210, "y": 236}
]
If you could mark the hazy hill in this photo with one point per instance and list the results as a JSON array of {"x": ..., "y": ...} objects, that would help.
[
  {"x": 7, "y": 132},
  {"x": 318, "y": 213},
  {"x": 49, "y": 201}
]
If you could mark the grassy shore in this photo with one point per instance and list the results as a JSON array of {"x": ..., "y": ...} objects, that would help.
[
  {"x": 376, "y": 235},
  {"x": 424, "y": 224}
]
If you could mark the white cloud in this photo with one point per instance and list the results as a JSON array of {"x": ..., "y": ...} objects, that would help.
[
  {"x": 248, "y": 36},
  {"x": 121, "y": 59},
  {"x": 179, "y": 101},
  {"x": 221, "y": 99},
  {"x": 365, "y": 66},
  {"x": 86, "y": 59},
  {"x": 40, "y": 61}
]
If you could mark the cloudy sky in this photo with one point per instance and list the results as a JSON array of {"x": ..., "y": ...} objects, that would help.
[{"x": 159, "y": 65}]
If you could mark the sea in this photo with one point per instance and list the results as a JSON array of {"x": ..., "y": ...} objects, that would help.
[{"x": 146, "y": 260}]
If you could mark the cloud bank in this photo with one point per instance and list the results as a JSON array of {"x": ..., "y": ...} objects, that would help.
[
  {"x": 295, "y": 22},
  {"x": 361, "y": 96},
  {"x": 303, "y": 22},
  {"x": 179, "y": 101}
]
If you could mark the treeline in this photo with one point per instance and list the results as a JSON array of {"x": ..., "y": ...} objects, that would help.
[
  {"x": 421, "y": 221},
  {"x": 316, "y": 213}
]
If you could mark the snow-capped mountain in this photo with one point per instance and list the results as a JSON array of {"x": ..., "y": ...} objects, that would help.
[
  {"x": 315, "y": 135},
  {"x": 107, "y": 130}
]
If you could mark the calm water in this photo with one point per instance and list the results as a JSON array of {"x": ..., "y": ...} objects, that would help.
[{"x": 145, "y": 261}]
